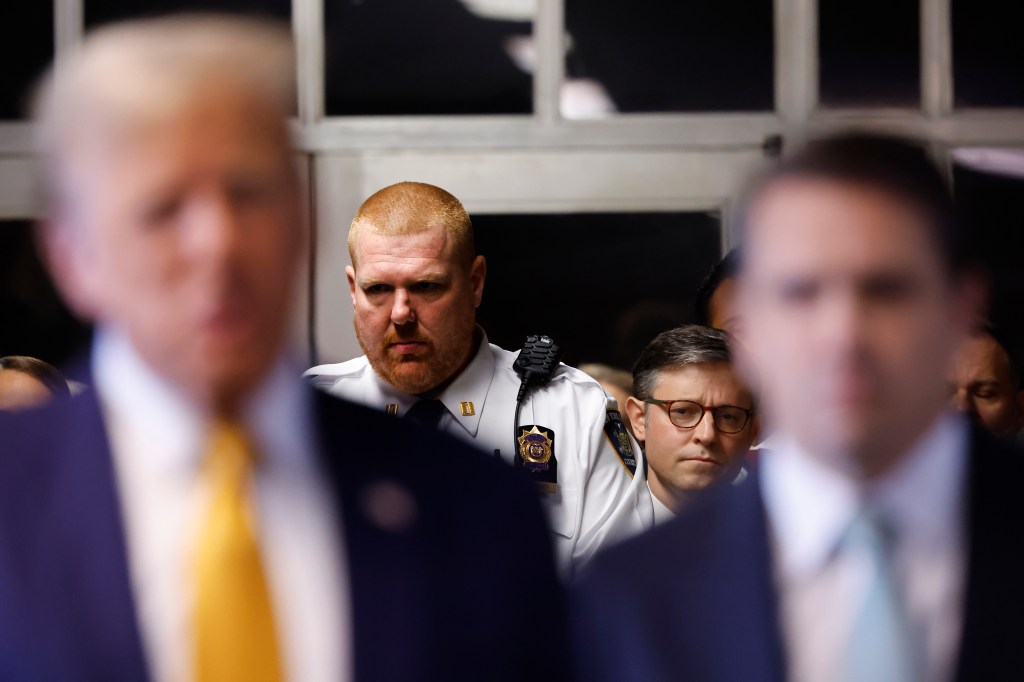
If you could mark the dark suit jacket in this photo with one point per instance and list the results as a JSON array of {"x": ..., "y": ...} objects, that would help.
[
  {"x": 468, "y": 591},
  {"x": 694, "y": 599}
]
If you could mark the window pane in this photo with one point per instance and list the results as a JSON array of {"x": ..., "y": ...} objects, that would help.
[
  {"x": 36, "y": 323},
  {"x": 994, "y": 218},
  {"x": 603, "y": 285},
  {"x": 668, "y": 55},
  {"x": 988, "y": 54},
  {"x": 26, "y": 48},
  {"x": 415, "y": 57},
  {"x": 103, "y": 11},
  {"x": 870, "y": 53}
]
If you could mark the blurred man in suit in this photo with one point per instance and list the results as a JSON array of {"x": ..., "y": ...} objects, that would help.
[
  {"x": 881, "y": 539},
  {"x": 201, "y": 514}
]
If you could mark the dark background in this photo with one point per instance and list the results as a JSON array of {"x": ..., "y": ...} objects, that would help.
[
  {"x": 992, "y": 209},
  {"x": 602, "y": 285}
]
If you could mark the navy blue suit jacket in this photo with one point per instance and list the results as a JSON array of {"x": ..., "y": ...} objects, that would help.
[
  {"x": 468, "y": 591},
  {"x": 694, "y": 599}
]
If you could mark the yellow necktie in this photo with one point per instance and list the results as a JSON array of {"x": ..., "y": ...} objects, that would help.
[{"x": 233, "y": 619}]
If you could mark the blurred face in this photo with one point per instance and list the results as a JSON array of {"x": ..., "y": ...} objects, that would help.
[
  {"x": 984, "y": 388},
  {"x": 20, "y": 391},
  {"x": 683, "y": 460},
  {"x": 184, "y": 234},
  {"x": 852, "y": 320},
  {"x": 415, "y": 306}
]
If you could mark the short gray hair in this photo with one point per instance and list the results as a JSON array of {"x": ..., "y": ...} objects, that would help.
[
  {"x": 138, "y": 70},
  {"x": 690, "y": 344}
]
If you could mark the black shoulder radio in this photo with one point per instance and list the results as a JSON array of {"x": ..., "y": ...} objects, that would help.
[
  {"x": 536, "y": 363},
  {"x": 534, "y": 444}
]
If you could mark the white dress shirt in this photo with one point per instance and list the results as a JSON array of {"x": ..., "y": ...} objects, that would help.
[
  {"x": 661, "y": 512},
  {"x": 810, "y": 505},
  {"x": 158, "y": 440},
  {"x": 598, "y": 501}
]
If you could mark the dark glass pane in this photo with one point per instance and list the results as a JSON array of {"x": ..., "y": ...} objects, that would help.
[
  {"x": 26, "y": 48},
  {"x": 35, "y": 322},
  {"x": 988, "y": 54},
  {"x": 993, "y": 215},
  {"x": 603, "y": 285},
  {"x": 416, "y": 57},
  {"x": 869, "y": 53},
  {"x": 102, "y": 11},
  {"x": 668, "y": 55}
]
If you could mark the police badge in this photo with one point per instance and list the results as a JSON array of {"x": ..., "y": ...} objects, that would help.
[
  {"x": 536, "y": 454},
  {"x": 536, "y": 448}
]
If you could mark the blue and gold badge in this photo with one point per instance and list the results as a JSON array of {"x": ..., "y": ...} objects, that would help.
[
  {"x": 617, "y": 435},
  {"x": 536, "y": 454}
]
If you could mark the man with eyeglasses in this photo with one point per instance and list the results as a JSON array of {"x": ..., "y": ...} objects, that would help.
[{"x": 694, "y": 415}]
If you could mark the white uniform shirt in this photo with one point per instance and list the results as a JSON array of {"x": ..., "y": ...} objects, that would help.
[
  {"x": 158, "y": 441},
  {"x": 809, "y": 506},
  {"x": 597, "y": 502}
]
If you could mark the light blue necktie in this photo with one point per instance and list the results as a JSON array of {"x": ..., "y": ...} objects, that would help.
[{"x": 879, "y": 648}]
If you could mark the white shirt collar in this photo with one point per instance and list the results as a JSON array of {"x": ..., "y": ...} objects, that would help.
[
  {"x": 661, "y": 512},
  {"x": 470, "y": 388},
  {"x": 135, "y": 397},
  {"x": 464, "y": 397},
  {"x": 809, "y": 504}
]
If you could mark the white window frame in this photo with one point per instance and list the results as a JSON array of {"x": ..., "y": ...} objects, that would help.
[{"x": 541, "y": 162}]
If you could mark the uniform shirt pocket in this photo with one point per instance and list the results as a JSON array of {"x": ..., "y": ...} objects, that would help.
[{"x": 561, "y": 510}]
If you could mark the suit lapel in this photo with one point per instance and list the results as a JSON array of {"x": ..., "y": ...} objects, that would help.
[
  {"x": 83, "y": 556},
  {"x": 756, "y": 591},
  {"x": 716, "y": 561},
  {"x": 386, "y": 565}
]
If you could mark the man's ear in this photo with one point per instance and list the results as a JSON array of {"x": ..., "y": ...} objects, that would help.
[
  {"x": 350, "y": 275},
  {"x": 635, "y": 412},
  {"x": 64, "y": 255},
  {"x": 477, "y": 276}
]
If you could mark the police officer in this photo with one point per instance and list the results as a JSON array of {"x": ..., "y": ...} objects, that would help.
[{"x": 416, "y": 282}]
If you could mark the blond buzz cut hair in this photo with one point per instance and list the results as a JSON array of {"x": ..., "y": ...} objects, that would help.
[{"x": 411, "y": 208}]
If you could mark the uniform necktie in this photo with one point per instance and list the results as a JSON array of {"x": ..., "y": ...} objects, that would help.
[
  {"x": 879, "y": 646},
  {"x": 427, "y": 413},
  {"x": 233, "y": 621}
]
